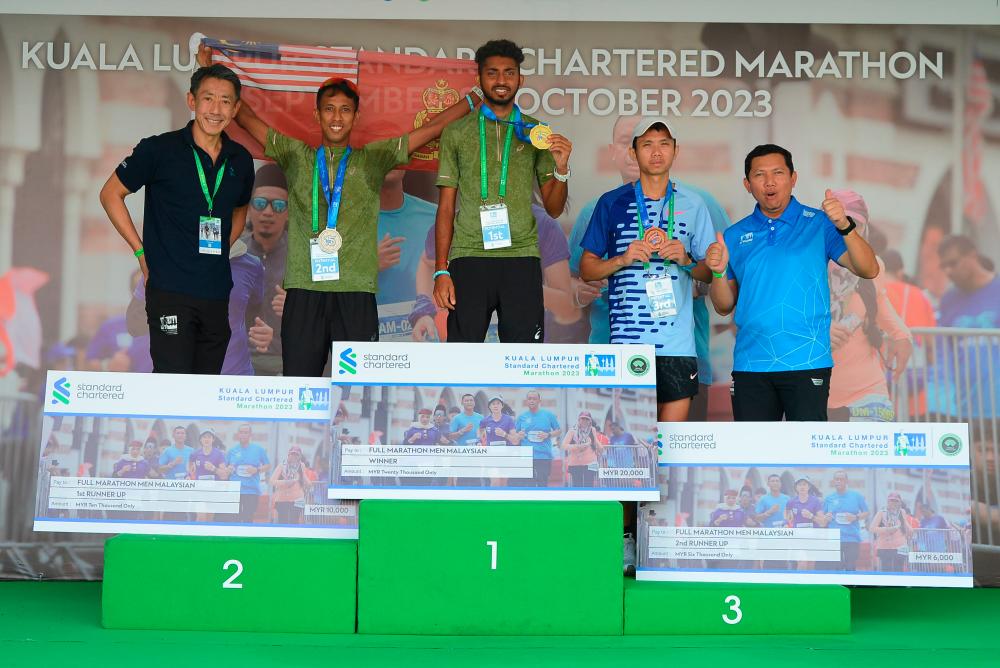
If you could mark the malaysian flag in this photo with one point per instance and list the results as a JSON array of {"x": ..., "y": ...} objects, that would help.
[
  {"x": 398, "y": 92},
  {"x": 280, "y": 81}
]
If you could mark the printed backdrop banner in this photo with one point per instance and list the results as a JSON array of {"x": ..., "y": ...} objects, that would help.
[{"x": 905, "y": 116}]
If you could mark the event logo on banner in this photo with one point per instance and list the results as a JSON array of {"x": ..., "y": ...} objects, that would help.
[
  {"x": 800, "y": 502},
  {"x": 501, "y": 421},
  {"x": 188, "y": 455}
]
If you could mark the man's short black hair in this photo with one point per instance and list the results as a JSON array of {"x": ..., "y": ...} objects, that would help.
[
  {"x": 338, "y": 87},
  {"x": 215, "y": 71},
  {"x": 499, "y": 47},
  {"x": 960, "y": 243},
  {"x": 767, "y": 149}
]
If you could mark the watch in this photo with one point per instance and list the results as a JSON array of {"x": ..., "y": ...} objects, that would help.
[
  {"x": 847, "y": 230},
  {"x": 563, "y": 177}
]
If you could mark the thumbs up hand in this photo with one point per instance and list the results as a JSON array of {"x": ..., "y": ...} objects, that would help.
[
  {"x": 834, "y": 210},
  {"x": 717, "y": 255}
]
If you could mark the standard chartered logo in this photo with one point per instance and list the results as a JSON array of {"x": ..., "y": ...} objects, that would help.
[
  {"x": 348, "y": 361},
  {"x": 60, "y": 391}
]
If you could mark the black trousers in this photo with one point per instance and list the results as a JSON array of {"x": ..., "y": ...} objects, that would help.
[
  {"x": 186, "y": 334},
  {"x": 511, "y": 286},
  {"x": 772, "y": 395},
  {"x": 312, "y": 321}
]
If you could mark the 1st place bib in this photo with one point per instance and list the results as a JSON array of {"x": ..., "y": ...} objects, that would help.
[
  {"x": 325, "y": 265},
  {"x": 496, "y": 226},
  {"x": 660, "y": 292}
]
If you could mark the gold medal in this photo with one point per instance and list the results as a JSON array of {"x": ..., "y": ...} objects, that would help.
[
  {"x": 330, "y": 240},
  {"x": 655, "y": 237},
  {"x": 539, "y": 136}
]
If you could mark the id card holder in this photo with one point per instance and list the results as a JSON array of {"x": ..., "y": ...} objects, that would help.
[
  {"x": 210, "y": 235},
  {"x": 325, "y": 266},
  {"x": 660, "y": 292},
  {"x": 496, "y": 226}
]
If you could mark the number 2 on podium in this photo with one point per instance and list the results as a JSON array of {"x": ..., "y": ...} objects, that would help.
[
  {"x": 230, "y": 582},
  {"x": 493, "y": 554},
  {"x": 734, "y": 606}
]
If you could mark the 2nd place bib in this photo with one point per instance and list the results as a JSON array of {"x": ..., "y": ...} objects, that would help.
[{"x": 325, "y": 265}]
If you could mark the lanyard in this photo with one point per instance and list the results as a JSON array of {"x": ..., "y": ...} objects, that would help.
[
  {"x": 484, "y": 187},
  {"x": 322, "y": 177},
  {"x": 516, "y": 122},
  {"x": 644, "y": 224},
  {"x": 210, "y": 199}
]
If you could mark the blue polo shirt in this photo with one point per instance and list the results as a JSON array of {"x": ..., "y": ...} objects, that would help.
[
  {"x": 783, "y": 306},
  {"x": 612, "y": 228},
  {"x": 252, "y": 455},
  {"x": 837, "y": 505},
  {"x": 529, "y": 422}
]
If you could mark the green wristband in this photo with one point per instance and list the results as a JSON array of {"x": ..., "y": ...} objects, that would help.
[
  {"x": 139, "y": 252},
  {"x": 718, "y": 274}
]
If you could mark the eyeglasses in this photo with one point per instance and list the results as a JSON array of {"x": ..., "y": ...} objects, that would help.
[{"x": 277, "y": 205}]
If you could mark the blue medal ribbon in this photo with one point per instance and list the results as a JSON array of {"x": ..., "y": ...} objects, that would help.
[
  {"x": 521, "y": 127},
  {"x": 321, "y": 180}
]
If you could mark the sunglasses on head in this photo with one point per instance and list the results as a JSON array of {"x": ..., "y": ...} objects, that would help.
[{"x": 277, "y": 205}]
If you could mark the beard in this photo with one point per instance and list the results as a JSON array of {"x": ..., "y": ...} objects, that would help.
[{"x": 500, "y": 103}]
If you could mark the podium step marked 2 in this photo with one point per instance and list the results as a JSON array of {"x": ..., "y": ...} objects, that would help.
[
  {"x": 198, "y": 583},
  {"x": 692, "y": 608},
  {"x": 490, "y": 568}
]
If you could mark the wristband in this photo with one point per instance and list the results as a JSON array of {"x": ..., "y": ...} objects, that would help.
[
  {"x": 139, "y": 252},
  {"x": 718, "y": 274},
  {"x": 479, "y": 91},
  {"x": 443, "y": 272},
  {"x": 472, "y": 107}
]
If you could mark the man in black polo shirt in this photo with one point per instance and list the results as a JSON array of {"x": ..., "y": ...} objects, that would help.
[{"x": 198, "y": 183}]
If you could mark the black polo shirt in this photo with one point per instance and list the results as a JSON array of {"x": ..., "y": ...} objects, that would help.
[{"x": 164, "y": 165}]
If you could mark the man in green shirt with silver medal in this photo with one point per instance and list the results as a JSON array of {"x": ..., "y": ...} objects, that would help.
[
  {"x": 487, "y": 256},
  {"x": 331, "y": 273}
]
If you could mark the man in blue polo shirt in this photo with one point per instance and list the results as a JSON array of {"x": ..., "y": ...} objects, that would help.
[
  {"x": 246, "y": 462},
  {"x": 538, "y": 427},
  {"x": 198, "y": 183},
  {"x": 651, "y": 257},
  {"x": 771, "y": 267},
  {"x": 845, "y": 509}
]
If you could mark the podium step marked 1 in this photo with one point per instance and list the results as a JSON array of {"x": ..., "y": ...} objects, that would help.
[
  {"x": 692, "y": 608},
  {"x": 198, "y": 583},
  {"x": 490, "y": 568}
]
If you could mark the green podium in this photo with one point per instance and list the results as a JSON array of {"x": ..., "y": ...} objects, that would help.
[
  {"x": 490, "y": 568},
  {"x": 692, "y": 608},
  {"x": 230, "y": 584}
]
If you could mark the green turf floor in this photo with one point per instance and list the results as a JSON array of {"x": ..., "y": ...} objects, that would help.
[{"x": 58, "y": 623}]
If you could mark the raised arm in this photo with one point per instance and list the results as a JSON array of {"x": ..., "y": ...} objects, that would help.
[{"x": 433, "y": 129}]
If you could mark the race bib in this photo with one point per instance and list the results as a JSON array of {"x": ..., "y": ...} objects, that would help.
[
  {"x": 660, "y": 292},
  {"x": 841, "y": 518},
  {"x": 325, "y": 266},
  {"x": 243, "y": 470},
  {"x": 496, "y": 226},
  {"x": 210, "y": 235}
]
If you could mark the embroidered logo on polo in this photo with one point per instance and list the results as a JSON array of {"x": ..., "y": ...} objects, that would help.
[{"x": 746, "y": 238}]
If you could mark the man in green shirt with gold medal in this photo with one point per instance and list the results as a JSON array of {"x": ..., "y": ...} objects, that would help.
[
  {"x": 487, "y": 256},
  {"x": 331, "y": 274}
]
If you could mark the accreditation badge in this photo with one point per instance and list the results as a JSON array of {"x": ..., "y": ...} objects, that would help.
[
  {"x": 660, "y": 292},
  {"x": 325, "y": 266},
  {"x": 210, "y": 235},
  {"x": 496, "y": 226}
]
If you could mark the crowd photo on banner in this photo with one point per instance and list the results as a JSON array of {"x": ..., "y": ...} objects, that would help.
[{"x": 802, "y": 235}]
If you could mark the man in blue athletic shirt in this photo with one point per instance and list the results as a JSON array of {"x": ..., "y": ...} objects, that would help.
[
  {"x": 246, "y": 462},
  {"x": 771, "y": 267},
  {"x": 846, "y": 509},
  {"x": 593, "y": 294},
  {"x": 537, "y": 428},
  {"x": 651, "y": 257}
]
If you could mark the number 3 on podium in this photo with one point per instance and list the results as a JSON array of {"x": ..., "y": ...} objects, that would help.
[{"x": 734, "y": 607}]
